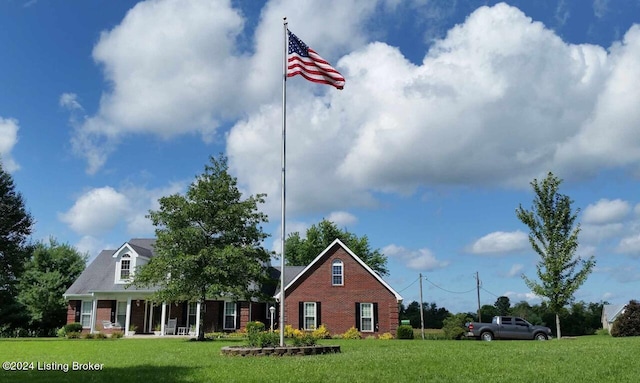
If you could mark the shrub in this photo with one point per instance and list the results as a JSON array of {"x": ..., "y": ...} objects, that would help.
[
  {"x": 352, "y": 333},
  {"x": 100, "y": 335},
  {"x": 386, "y": 336},
  {"x": 453, "y": 326},
  {"x": 321, "y": 332},
  {"x": 289, "y": 331},
  {"x": 117, "y": 334},
  {"x": 87, "y": 335},
  {"x": 305, "y": 339},
  {"x": 263, "y": 339},
  {"x": 405, "y": 332},
  {"x": 73, "y": 335},
  {"x": 602, "y": 331},
  {"x": 61, "y": 333},
  {"x": 254, "y": 327},
  {"x": 73, "y": 327},
  {"x": 628, "y": 322}
]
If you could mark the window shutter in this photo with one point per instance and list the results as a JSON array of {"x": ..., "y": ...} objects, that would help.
[
  {"x": 77, "y": 312},
  {"x": 375, "y": 317},
  {"x": 318, "y": 317},
  {"x": 358, "y": 315},
  {"x": 185, "y": 307},
  {"x": 220, "y": 324},
  {"x": 113, "y": 311},
  {"x": 237, "y": 315},
  {"x": 301, "y": 315}
]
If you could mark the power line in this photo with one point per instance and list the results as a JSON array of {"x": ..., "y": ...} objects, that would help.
[
  {"x": 449, "y": 291},
  {"x": 412, "y": 283},
  {"x": 487, "y": 291}
]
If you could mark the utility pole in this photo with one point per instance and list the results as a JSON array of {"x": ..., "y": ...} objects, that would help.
[
  {"x": 421, "y": 311},
  {"x": 478, "y": 288}
]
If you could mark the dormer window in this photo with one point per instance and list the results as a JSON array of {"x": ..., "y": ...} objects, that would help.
[
  {"x": 337, "y": 273},
  {"x": 125, "y": 267}
]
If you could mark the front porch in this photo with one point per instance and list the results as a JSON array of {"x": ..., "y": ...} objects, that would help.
[{"x": 134, "y": 316}]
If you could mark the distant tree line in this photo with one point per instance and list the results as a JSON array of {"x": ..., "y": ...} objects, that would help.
[{"x": 579, "y": 318}]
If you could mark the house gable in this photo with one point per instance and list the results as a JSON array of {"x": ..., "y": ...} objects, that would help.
[
  {"x": 127, "y": 258},
  {"x": 352, "y": 296},
  {"x": 353, "y": 271}
]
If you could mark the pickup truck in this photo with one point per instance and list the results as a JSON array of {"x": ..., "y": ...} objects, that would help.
[{"x": 503, "y": 327}]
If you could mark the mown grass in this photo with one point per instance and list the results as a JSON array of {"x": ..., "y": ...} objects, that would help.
[{"x": 594, "y": 358}]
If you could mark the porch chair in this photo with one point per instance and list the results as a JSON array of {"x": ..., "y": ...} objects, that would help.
[
  {"x": 170, "y": 328},
  {"x": 107, "y": 325}
]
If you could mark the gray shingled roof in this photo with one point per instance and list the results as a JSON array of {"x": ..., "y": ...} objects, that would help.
[
  {"x": 99, "y": 275},
  {"x": 611, "y": 311}
]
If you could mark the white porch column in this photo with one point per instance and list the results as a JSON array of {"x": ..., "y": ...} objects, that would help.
[
  {"x": 198, "y": 319},
  {"x": 163, "y": 317},
  {"x": 127, "y": 318},
  {"x": 151, "y": 305},
  {"x": 94, "y": 314}
]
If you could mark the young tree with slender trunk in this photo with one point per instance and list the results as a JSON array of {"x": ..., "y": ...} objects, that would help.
[
  {"x": 209, "y": 242},
  {"x": 553, "y": 234}
]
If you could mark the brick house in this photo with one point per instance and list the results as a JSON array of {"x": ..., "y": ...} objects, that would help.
[{"x": 337, "y": 289}]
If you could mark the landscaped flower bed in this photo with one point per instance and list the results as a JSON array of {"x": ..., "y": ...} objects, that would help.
[{"x": 279, "y": 351}]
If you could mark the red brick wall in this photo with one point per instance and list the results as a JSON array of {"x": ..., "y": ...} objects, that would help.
[
  {"x": 338, "y": 302},
  {"x": 71, "y": 311}
]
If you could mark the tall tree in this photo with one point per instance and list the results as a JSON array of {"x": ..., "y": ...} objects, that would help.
[
  {"x": 15, "y": 227},
  {"x": 49, "y": 272},
  {"x": 209, "y": 242},
  {"x": 503, "y": 305},
  {"x": 553, "y": 234},
  {"x": 301, "y": 251}
]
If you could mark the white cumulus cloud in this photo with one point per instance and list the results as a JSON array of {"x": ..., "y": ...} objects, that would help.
[
  {"x": 96, "y": 211},
  {"x": 606, "y": 211},
  {"x": 8, "y": 139},
  {"x": 421, "y": 259},
  {"x": 500, "y": 242}
]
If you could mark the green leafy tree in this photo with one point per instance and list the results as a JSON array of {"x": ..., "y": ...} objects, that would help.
[
  {"x": 553, "y": 234},
  {"x": 15, "y": 227},
  {"x": 628, "y": 322},
  {"x": 49, "y": 272},
  {"x": 433, "y": 315},
  {"x": 487, "y": 312},
  {"x": 524, "y": 310},
  {"x": 454, "y": 326},
  {"x": 209, "y": 242},
  {"x": 503, "y": 305},
  {"x": 301, "y": 251}
]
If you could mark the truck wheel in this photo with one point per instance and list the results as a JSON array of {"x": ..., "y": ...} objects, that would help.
[
  {"x": 540, "y": 336},
  {"x": 486, "y": 336}
]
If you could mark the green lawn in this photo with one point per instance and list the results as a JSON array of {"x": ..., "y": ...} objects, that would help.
[{"x": 586, "y": 359}]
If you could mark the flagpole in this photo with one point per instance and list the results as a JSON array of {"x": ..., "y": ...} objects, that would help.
[{"x": 283, "y": 160}]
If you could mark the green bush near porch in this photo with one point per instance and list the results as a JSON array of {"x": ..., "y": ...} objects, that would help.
[{"x": 590, "y": 358}]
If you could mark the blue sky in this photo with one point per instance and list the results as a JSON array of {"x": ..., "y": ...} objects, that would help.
[{"x": 450, "y": 109}]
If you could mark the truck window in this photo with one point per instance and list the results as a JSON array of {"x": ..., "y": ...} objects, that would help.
[
  {"x": 507, "y": 320},
  {"x": 521, "y": 322}
]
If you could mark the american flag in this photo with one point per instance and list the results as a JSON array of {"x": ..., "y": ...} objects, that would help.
[{"x": 306, "y": 62}]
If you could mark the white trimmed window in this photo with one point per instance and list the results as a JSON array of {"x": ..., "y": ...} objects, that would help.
[
  {"x": 229, "y": 315},
  {"x": 337, "y": 273},
  {"x": 121, "y": 313},
  {"x": 366, "y": 317},
  {"x": 191, "y": 314},
  {"x": 85, "y": 314},
  {"x": 310, "y": 317},
  {"x": 125, "y": 267}
]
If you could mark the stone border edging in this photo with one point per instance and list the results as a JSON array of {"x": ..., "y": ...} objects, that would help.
[{"x": 279, "y": 351}]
